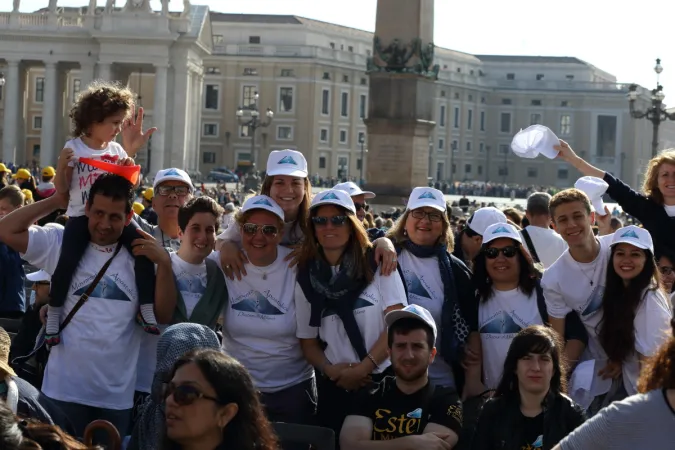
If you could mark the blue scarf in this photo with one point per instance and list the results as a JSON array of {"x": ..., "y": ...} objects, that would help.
[{"x": 454, "y": 329}]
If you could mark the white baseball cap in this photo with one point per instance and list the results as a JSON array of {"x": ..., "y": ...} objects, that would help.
[
  {"x": 263, "y": 202},
  {"x": 483, "y": 218},
  {"x": 334, "y": 197},
  {"x": 595, "y": 188},
  {"x": 38, "y": 276},
  {"x": 353, "y": 189},
  {"x": 501, "y": 230},
  {"x": 172, "y": 174},
  {"x": 426, "y": 196},
  {"x": 633, "y": 235},
  {"x": 287, "y": 162},
  {"x": 411, "y": 312},
  {"x": 535, "y": 140}
]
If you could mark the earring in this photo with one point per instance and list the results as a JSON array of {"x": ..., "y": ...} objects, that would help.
[{"x": 405, "y": 232}]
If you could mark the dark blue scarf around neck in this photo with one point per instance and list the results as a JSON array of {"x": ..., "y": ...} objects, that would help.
[{"x": 454, "y": 329}]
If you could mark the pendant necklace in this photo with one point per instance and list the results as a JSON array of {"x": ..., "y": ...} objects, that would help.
[{"x": 595, "y": 268}]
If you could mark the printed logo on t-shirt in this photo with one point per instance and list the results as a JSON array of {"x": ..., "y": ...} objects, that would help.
[
  {"x": 191, "y": 284},
  {"x": 416, "y": 284},
  {"x": 501, "y": 323},
  {"x": 538, "y": 443},
  {"x": 365, "y": 300},
  {"x": 594, "y": 302},
  {"x": 387, "y": 426},
  {"x": 111, "y": 287},
  {"x": 261, "y": 305}
]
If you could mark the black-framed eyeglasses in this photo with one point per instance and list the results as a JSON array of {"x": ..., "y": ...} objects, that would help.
[
  {"x": 267, "y": 230},
  {"x": 508, "y": 251},
  {"x": 666, "y": 270},
  {"x": 179, "y": 190},
  {"x": 335, "y": 220},
  {"x": 421, "y": 214},
  {"x": 363, "y": 205},
  {"x": 185, "y": 394}
]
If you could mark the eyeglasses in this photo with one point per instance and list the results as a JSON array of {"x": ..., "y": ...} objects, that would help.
[
  {"x": 267, "y": 230},
  {"x": 433, "y": 216},
  {"x": 666, "y": 270},
  {"x": 335, "y": 220},
  {"x": 179, "y": 190},
  {"x": 363, "y": 205},
  {"x": 186, "y": 394},
  {"x": 493, "y": 252}
]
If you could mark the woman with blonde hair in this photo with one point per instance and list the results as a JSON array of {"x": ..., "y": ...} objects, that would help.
[{"x": 654, "y": 207}]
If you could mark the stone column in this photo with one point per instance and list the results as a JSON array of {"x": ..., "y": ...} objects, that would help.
[
  {"x": 87, "y": 71},
  {"x": 199, "y": 93},
  {"x": 401, "y": 96},
  {"x": 10, "y": 126},
  {"x": 48, "y": 144},
  {"x": 104, "y": 71},
  {"x": 159, "y": 145},
  {"x": 179, "y": 119}
]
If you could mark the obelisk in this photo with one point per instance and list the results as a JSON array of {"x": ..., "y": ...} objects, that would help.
[{"x": 402, "y": 86}]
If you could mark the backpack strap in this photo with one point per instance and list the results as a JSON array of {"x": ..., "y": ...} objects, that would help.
[
  {"x": 541, "y": 302},
  {"x": 530, "y": 245}
]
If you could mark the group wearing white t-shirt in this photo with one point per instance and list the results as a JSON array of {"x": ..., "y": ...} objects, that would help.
[{"x": 548, "y": 244}]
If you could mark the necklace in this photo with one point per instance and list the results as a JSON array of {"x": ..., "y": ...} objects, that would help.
[{"x": 595, "y": 267}]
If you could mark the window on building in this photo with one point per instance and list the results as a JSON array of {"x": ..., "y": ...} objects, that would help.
[
  {"x": 482, "y": 121},
  {"x": 210, "y": 129},
  {"x": 77, "y": 86},
  {"x": 345, "y": 78},
  {"x": 503, "y": 171},
  {"x": 456, "y": 118},
  {"x": 469, "y": 119},
  {"x": 505, "y": 122},
  {"x": 510, "y": 76},
  {"x": 343, "y": 136},
  {"x": 563, "y": 174},
  {"x": 535, "y": 119},
  {"x": 325, "y": 102},
  {"x": 350, "y": 48},
  {"x": 442, "y": 93},
  {"x": 332, "y": 45},
  {"x": 565, "y": 125},
  {"x": 363, "y": 102},
  {"x": 284, "y": 132},
  {"x": 323, "y": 135},
  {"x": 250, "y": 72},
  {"x": 248, "y": 95},
  {"x": 481, "y": 147},
  {"x": 441, "y": 144},
  {"x": 456, "y": 95},
  {"x": 37, "y": 122},
  {"x": 531, "y": 172},
  {"x": 506, "y": 101},
  {"x": 482, "y": 99},
  {"x": 503, "y": 149},
  {"x": 1, "y": 92},
  {"x": 39, "y": 89},
  {"x": 322, "y": 162},
  {"x": 569, "y": 77},
  {"x": 326, "y": 75},
  {"x": 361, "y": 138},
  {"x": 536, "y": 102},
  {"x": 364, "y": 81},
  {"x": 470, "y": 97},
  {"x": 459, "y": 70},
  {"x": 209, "y": 157},
  {"x": 287, "y": 73},
  {"x": 540, "y": 76},
  {"x": 468, "y": 146},
  {"x": 455, "y": 145},
  {"x": 213, "y": 70},
  {"x": 479, "y": 170},
  {"x": 342, "y": 46},
  {"x": 285, "y": 99},
  {"x": 467, "y": 168},
  {"x": 254, "y": 39},
  {"x": 358, "y": 164},
  {"x": 211, "y": 96},
  {"x": 564, "y": 103},
  {"x": 244, "y": 131},
  {"x": 441, "y": 116},
  {"x": 218, "y": 39},
  {"x": 454, "y": 168},
  {"x": 344, "y": 104}
]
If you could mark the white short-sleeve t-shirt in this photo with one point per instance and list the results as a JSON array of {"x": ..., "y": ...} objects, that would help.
[
  {"x": 500, "y": 318},
  {"x": 548, "y": 244},
  {"x": 84, "y": 175},
  {"x": 190, "y": 281},
  {"x": 567, "y": 287},
  {"x": 652, "y": 328},
  {"x": 95, "y": 364},
  {"x": 260, "y": 326},
  {"x": 425, "y": 288},
  {"x": 383, "y": 292}
]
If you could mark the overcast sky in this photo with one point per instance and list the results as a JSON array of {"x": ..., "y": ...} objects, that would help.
[{"x": 614, "y": 36}]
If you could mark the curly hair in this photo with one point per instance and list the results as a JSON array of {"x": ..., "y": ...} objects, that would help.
[
  {"x": 100, "y": 100},
  {"x": 650, "y": 186},
  {"x": 659, "y": 370}
]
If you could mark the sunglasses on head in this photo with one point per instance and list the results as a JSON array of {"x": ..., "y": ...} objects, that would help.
[
  {"x": 493, "y": 252},
  {"x": 665, "y": 270},
  {"x": 363, "y": 205},
  {"x": 335, "y": 220},
  {"x": 186, "y": 394},
  {"x": 267, "y": 230},
  {"x": 179, "y": 190}
]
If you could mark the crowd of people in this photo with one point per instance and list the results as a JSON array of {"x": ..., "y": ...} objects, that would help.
[{"x": 174, "y": 316}]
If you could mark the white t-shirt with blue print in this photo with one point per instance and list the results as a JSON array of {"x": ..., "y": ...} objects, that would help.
[{"x": 190, "y": 281}]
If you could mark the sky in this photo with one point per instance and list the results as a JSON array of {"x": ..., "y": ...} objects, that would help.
[{"x": 621, "y": 38}]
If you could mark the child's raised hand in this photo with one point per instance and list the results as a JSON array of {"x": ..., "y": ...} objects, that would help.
[{"x": 126, "y": 162}]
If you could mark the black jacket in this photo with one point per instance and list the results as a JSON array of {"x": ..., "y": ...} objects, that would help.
[{"x": 500, "y": 428}]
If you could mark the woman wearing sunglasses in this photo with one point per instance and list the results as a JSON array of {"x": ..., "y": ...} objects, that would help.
[
  {"x": 442, "y": 284},
  {"x": 259, "y": 327},
  {"x": 341, "y": 299},
  {"x": 211, "y": 404}
]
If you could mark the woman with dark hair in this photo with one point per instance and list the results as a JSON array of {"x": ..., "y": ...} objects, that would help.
[
  {"x": 341, "y": 298},
  {"x": 642, "y": 421},
  {"x": 635, "y": 311},
  {"x": 664, "y": 262},
  {"x": 529, "y": 409},
  {"x": 211, "y": 404}
]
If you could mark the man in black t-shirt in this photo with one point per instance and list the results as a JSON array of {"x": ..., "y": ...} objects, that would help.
[{"x": 407, "y": 410}]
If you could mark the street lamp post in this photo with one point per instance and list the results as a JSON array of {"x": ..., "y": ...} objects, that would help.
[
  {"x": 362, "y": 141},
  {"x": 249, "y": 116},
  {"x": 656, "y": 113}
]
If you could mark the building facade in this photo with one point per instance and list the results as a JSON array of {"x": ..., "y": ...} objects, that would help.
[{"x": 194, "y": 70}]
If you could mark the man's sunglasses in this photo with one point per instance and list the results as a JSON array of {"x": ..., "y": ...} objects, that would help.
[
  {"x": 665, "y": 270},
  {"x": 267, "y": 230},
  {"x": 493, "y": 252},
  {"x": 335, "y": 220},
  {"x": 186, "y": 394},
  {"x": 179, "y": 190},
  {"x": 363, "y": 205}
]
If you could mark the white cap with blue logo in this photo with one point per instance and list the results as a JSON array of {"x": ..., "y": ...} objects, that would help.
[
  {"x": 483, "y": 218},
  {"x": 639, "y": 237},
  {"x": 412, "y": 312},
  {"x": 172, "y": 174},
  {"x": 501, "y": 230},
  {"x": 334, "y": 197},
  {"x": 426, "y": 196},
  {"x": 263, "y": 202},
  {"x": 287, "y": 162},
  {"x": 353, "y": 189}
]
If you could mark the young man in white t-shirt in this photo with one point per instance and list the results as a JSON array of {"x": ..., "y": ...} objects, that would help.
[{"x": 92, "y": 374}]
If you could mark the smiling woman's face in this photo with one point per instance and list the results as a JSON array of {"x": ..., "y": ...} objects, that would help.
[{"x": 288, "y": 192}]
